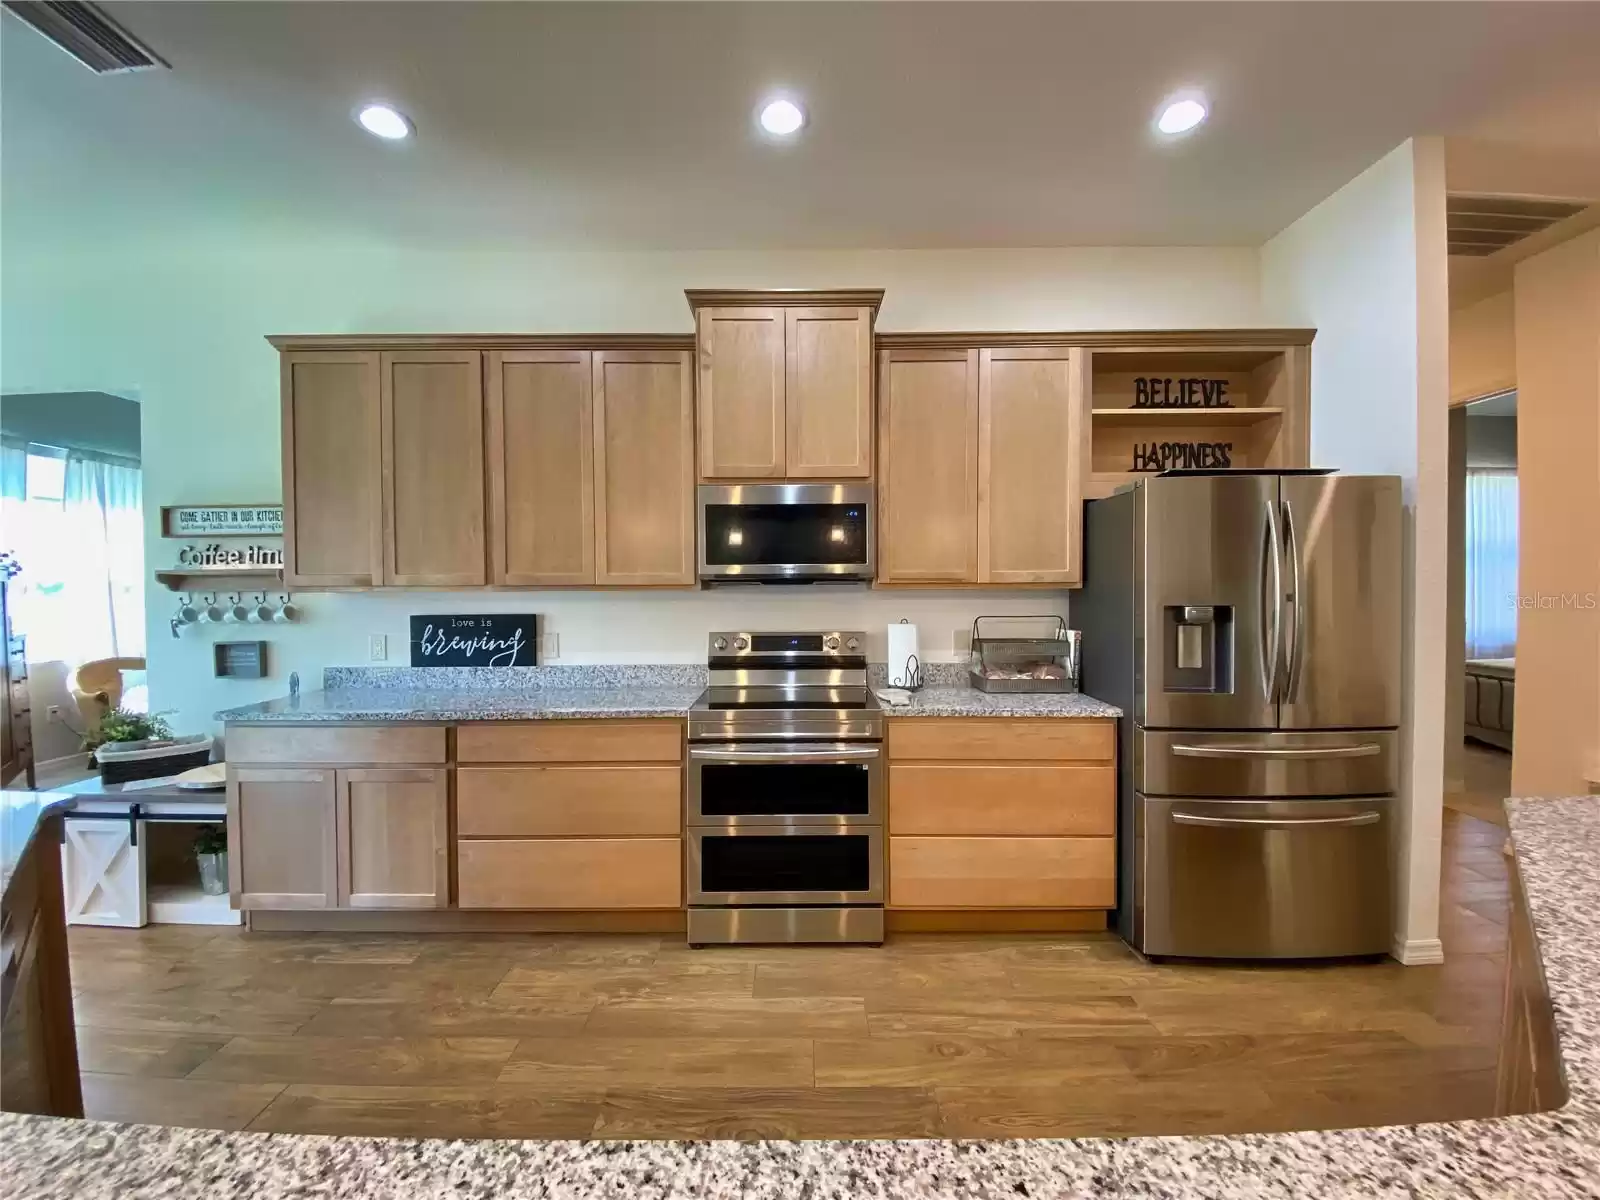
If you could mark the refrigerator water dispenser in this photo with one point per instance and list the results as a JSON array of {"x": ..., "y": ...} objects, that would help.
[{"x": 1199, "y": 648}]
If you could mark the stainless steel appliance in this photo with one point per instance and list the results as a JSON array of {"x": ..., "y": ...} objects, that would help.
[
  {"x": 785, "y": 794},
  {"x": 785, "y": 532},
  {"x": 1248, "y": 624}
]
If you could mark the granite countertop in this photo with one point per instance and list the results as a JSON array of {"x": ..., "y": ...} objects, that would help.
[
  {"x": 965, "y": 701},
  {"x": 467, "y": 704},
  {"x": 1548, "y": 1156},
  {"x": 20, "y": 815}
]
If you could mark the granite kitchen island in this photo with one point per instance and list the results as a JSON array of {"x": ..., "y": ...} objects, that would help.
[{"x": 1553, "y": 1155}]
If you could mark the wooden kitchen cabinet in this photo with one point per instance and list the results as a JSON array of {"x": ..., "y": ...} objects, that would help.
[
  {"x": 785, "y": 384},
  {"x": 928, "y": 466},
  {"x": 981, "y": 465},
  {"x": 539, "y": 406},
  {"x": 1032, "y": 446},
  {"x": 332, "y": 469},
  {"x": 393, "y": 834},
  {"x": 282, "y": 837},
  {"x": 644, "y": 468},
  {"x": 433, "y": 497}
]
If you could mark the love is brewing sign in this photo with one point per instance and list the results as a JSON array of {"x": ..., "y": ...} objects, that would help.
[{"x": 497, "y": 640}]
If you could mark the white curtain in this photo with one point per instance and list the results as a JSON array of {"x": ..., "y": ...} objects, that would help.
[
  {"x": 74, "y": 522},
  {"x": 1491, "y": 563}
]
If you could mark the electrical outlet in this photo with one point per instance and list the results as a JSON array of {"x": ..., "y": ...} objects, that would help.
[
  {"x": 549, "y": 646},
  {"x": 963, "y": 640},
  {"x": 377, "y": 647},
  {"x": 54, "y": 713}
]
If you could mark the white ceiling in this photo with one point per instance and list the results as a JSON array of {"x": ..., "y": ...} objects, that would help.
[{"x": 594, "y": 124}]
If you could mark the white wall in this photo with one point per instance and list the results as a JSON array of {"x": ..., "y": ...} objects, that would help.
[
  {"x": 182, "y": 327},
  {"x": 1367, "y": 268}
]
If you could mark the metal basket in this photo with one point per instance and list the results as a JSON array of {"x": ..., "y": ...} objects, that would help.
[{"x": 1012, "y": 664}]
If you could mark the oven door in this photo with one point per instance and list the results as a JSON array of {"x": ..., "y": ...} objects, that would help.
[
  {"x": 778, "y": 531},
  {"x": 739, "y": 784},
  {"x": 795, "y": 864}
]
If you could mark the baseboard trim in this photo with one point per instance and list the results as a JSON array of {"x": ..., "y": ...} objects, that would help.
[
  {"x": 1004, "y": 920},
  {"x": 1417, "y": 952},
  {"x": 450, "y": 920}
]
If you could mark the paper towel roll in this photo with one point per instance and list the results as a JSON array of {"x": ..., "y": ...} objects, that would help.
[{"x": 904, "y": 660}]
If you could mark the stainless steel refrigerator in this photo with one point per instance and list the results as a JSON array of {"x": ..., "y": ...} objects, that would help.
[{"x": 1248, "y": 624}]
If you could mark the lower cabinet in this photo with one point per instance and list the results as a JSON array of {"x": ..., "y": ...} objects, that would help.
[
  {"x": 324, "y": 837},
  {"x": 570, "y": 873},
  {"x": 994, "y": 813}
]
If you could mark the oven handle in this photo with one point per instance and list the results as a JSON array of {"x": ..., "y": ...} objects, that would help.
[{"x": 783, "y": 754}]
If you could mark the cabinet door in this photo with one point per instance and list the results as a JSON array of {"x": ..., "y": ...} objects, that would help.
[
  {"x": 332, "y": 470},
  {"x": 433, "y": 511},
  {"x": 828, "y": 393},
  {"x": 644, "y": 468},
  {"x": 928, "y": 466},
  {"x": 741, "y": 392},
  {"x": 281, "y": 838},
  {"x": 394, "y": 838},
  {"x": 540, "y": 412},
  {"x": 1030, "y": 464}
]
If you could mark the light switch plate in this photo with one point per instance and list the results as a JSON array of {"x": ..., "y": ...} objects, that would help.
[
  {"x": 377, "y": 647},
  {"x": 549, "y": 646}
]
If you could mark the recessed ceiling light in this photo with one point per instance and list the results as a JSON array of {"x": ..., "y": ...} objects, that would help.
[
  {"x": 782, "y": 117},
  {"x": 385, "y": 122},
  {"x": 1180, "y": 114}
]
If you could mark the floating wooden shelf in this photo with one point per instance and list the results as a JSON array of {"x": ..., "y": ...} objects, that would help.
[
  {"x": 1185, "y": 417},
  {"x": 234, "y": 579}
]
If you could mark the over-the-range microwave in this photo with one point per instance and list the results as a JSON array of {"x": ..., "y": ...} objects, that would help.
[{"x": 785, "y": 532}]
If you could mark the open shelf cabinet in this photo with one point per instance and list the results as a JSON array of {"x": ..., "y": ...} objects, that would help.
[{"x": 1238, "y": 407}]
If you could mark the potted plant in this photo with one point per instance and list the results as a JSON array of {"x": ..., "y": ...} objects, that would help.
[
  {"x": 126, "y": 745},
  {"x": 211, "y": 855}
]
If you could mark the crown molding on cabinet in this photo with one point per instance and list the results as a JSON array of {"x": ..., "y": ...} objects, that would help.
[
  {"x": 1106, "y": 339},
  {"x": 802, "y": 297},
  {"x": 482, "y": 341}
]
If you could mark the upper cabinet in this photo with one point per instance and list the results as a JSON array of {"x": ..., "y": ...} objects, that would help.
[
  {"x": 433, "y": 503},
  {"x": 332, "y": 469},
  {"x": 981, "y": 465},
  {"x": 785, "y": 384}
]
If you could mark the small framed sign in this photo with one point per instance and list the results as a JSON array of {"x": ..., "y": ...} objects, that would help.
[
  {"x": 222, "y": 520},
  {"x": 497, "y": 640},
  {"x": 240, "y": 660}
]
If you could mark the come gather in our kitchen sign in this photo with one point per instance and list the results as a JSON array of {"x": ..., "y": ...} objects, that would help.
[{"x": 497, "y": 640}]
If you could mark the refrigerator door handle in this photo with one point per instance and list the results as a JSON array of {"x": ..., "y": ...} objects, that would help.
[
  {"x": 1359, "y": 750},
  {"x": 1366, "y": 818},
  {"x": 1297, "y": 648},
  {"x": 1271, "y": 569}
]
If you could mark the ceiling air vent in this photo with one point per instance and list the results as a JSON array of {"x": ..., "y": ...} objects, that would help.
[
  {"x": 85, "y": 32},
  {"x": 1480, "y": 225}
]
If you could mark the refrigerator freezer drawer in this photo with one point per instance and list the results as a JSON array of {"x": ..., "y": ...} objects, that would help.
[
  {"x": 1266, "y": 878},
  {"x": 1349, "y": 763}
]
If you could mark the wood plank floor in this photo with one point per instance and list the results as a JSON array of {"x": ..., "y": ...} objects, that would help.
[{"x": 639, "y": 1037}]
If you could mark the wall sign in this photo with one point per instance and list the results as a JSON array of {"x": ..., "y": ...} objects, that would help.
[
  {"x": 1163, "y": 456},
  {"x": 499, "y": 640},
  {"x": 216, "y": 557},
  {"x": 1180, "y": 393},
  {"x": 239, "y": 520}
]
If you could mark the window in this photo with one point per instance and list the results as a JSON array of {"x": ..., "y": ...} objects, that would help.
[{"x": 1491, "y": 563}]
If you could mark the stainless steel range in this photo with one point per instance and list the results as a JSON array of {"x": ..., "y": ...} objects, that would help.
[{"x": 785, "y": 795}]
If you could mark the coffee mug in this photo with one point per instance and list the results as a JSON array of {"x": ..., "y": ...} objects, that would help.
[
  {"x": 262, "y": 614},
  {"x": 287, "y": 612},
  {"x": 212, "y": 614},
  {"x": 236, "y": 613},
  {"x": 188, "y": 614}
]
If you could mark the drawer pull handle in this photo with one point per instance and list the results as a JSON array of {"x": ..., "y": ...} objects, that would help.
[
  {"x": 1362, "y": 750},
  {"x": 1366, "y": 818}
]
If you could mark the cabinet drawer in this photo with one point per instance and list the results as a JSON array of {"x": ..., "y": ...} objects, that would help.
[
  {"x": 337, "y": 745},
  {"x": 1017, "y": 801},
  {"x": 569, "y": 801},
  {"x": 570, "y": 741},
  {"x": 991, "y": 739},
  {"x": 1002, "y": 872},
  {"x": 586, "y": 873}
]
